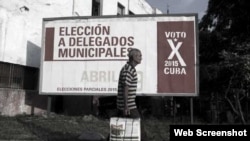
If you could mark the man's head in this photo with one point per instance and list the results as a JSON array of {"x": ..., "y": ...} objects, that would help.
[{"x": 135, "y": 56}]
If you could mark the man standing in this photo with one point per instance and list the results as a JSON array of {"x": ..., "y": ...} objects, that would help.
[{"x": 127, "y": 86}]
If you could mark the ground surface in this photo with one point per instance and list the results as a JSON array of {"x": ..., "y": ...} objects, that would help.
[{"x": 69, "y": 128}]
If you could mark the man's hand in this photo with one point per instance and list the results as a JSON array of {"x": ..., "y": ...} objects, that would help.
[{"x": 126, "y": 112}]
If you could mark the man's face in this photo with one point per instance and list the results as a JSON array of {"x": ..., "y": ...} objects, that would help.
[{"x": 137, "y": 57}]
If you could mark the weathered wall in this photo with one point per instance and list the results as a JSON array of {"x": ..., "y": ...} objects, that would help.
[
  {"x": 16, "y": 102},
  {"x": 21, "y": 28}
]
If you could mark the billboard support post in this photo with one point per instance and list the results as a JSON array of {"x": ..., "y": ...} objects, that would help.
[
  {"x": 49, "y": 101},
  {"x": 191, "y": 110}
]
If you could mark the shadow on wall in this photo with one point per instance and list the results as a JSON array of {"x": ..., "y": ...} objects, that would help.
[
  {"x": 32, "y": 98},
  {"x": 37, "y": 103},
  {"x": 66, "y": 105},
  {"x": 33, "y": 55}
]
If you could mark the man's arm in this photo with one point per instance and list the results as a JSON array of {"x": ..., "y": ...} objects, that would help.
[{"x": 126, "y": 109}]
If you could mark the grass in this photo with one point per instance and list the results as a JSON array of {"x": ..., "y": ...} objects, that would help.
[
  {"x": 11, "y": 129},
  {"x": 41, "y": 128},
  {"x": 69, "y": 128}
]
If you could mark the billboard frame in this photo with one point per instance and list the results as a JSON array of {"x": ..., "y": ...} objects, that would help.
[{"x": 49, "y": 19}]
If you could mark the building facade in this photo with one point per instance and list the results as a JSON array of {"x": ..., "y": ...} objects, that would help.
[{"x": 20, "y": 47}]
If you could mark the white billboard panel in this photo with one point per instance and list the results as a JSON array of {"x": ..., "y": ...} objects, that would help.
[{"x": 84, "y": 55}]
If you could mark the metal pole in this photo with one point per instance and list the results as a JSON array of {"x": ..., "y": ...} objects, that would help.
[
  {"x": 49, "y": 105},
  {"x": 191, "y": 110}
]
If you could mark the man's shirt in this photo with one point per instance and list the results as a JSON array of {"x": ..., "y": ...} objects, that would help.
[{"x": 128, "y": 77}]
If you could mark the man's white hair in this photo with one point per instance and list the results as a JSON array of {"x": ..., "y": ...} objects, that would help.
[{"x": 132, "y": 52}]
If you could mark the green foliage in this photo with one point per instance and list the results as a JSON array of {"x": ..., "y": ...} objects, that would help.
[
  {"x": 225, "y": 48},
  {"x": 225, "y": 41}
]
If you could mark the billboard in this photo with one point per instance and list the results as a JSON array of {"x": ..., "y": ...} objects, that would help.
[{"x": 84, "y": 55}]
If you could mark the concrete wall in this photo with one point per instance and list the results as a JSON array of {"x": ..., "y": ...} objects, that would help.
[
  {"x": 21, "y": 28},
  {"x": 82, "y": 8},
  {"x": 16, "y": 102},
  {"x": 136, "y": 6}
]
